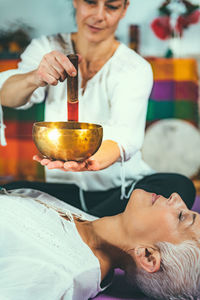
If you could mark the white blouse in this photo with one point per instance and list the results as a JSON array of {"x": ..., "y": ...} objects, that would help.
[
  {"x": 116, "y": 97},
  {"x": 42, "y": 255}
]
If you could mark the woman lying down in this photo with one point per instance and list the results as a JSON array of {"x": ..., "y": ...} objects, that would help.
[{"x": 49, "y": 251}]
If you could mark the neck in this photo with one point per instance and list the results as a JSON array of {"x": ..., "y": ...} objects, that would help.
[
  {"x": 94, "y": 55},
  {"x": 106, "y": 239},
  {"x": 92, "y": 51}
]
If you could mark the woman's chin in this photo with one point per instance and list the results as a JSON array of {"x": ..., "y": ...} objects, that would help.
[{"x": 93, "y": 36}]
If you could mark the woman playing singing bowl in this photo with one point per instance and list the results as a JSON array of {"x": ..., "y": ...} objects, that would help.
[
  {"x": 49, "y": 251},
  {"x": 115, "y": 84}
]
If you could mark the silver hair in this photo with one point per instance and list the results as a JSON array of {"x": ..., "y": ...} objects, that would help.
[{"x": 179, "y": 274}]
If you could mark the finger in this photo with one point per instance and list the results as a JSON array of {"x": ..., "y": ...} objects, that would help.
[
  {"x": 92, "y": 165},
  {"x": 62, "y": 169},
  {"x": 45, "y": 161},
  {"x": 64, "y": 76},
  {"x": 66, "y": 64},
  {"x": 49, "y": 79},
  {"x": 57, "y": 164},
  {"x": 45, "y": 74},
  {"x": 37, "y": 158},
  {"x": 57, "y": 69},
  {"x": 73, "y": 166},
  {"x": 70, "y": 165},
  {"x": 50, "y": 69}
]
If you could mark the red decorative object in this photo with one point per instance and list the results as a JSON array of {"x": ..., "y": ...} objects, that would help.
[
  {"x": 162, "y": 26},
  {"x": 184, "y": 22}
]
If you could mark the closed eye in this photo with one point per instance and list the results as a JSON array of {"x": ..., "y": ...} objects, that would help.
[
  {"x": 193, "y": 218},
  {"x": 113, "y": 7},
  {"x": 90, "y": 1},
  {"x": 181, "y": 216}
]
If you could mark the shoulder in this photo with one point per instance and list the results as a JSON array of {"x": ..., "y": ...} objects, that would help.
[
  {"x": 59, "y": 41},
  {"x": 62, "y": 40},
  {"x": 127, "y": 61}
]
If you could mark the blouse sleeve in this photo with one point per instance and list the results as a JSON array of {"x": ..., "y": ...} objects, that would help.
[
  {"x": 128, "y": 109},
  {"x": 30, "y": 60}
]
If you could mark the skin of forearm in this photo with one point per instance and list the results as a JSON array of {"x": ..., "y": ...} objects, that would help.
[
  {"x": 107, "y": 154},
  {"x": 17, "y": 89}
]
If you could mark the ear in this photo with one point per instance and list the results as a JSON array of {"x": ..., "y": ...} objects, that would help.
[{"x": 148, "y": 258}]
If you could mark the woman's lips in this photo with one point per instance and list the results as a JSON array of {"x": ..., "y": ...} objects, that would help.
[
  {"x": 94, "y": 29},
  {"x": 154, "y": 198}
]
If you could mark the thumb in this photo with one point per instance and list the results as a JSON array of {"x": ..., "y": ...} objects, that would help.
[{"x": 92, "y": 164}]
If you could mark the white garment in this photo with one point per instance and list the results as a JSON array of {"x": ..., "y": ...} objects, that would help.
[
  {"x": 42, "y": 255},
  {"x": 116, "y": 97}
]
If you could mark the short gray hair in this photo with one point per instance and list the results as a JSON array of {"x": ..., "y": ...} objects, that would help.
[{"x": 179, "y": 274}]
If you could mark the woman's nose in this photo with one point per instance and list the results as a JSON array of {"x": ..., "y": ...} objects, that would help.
[
  {"x": 175, "y": 198},
  {"x": 100, "y": 12}
]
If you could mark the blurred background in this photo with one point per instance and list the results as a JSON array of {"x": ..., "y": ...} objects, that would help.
[
  {"x": 50, "y": 16},
  {"x": 166, "y": 33}
]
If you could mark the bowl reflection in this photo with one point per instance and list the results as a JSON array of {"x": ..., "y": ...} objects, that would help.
[{"x": 67, "y": 140}]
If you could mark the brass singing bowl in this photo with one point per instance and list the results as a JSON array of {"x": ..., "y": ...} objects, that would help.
[{"x": 67, "y": 140}]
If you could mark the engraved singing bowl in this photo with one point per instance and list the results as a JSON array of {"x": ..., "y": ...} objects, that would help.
[{"x": 67, "y": 140}]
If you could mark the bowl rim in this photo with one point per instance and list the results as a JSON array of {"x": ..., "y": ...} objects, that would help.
[{"x": 40, "y": 124}]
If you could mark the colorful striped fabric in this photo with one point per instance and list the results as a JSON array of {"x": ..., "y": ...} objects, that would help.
[
  {"x": 16, "y": 158},
  {"x": 7, "y": 64},
  {"x": 175, "y": 90}
]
